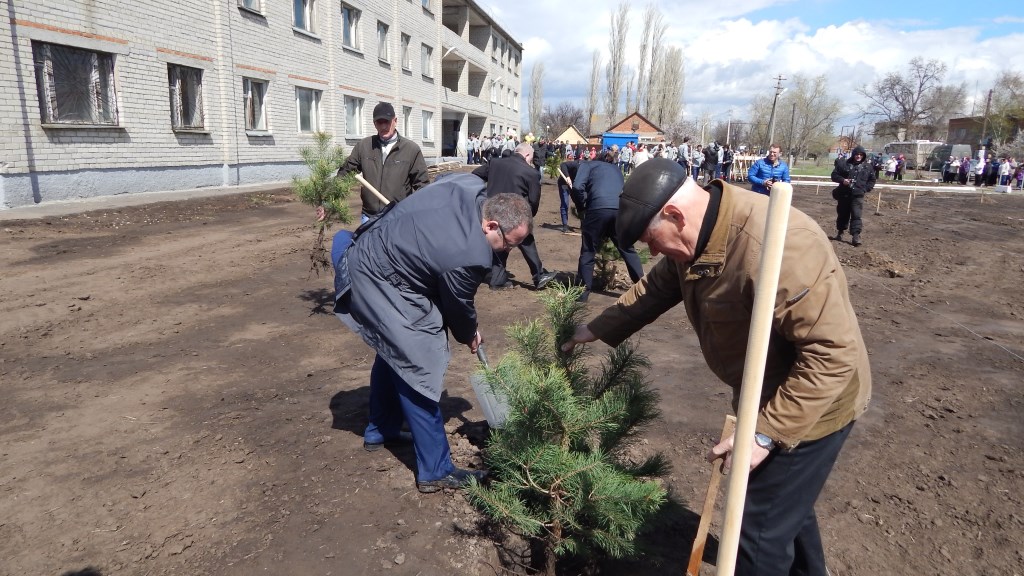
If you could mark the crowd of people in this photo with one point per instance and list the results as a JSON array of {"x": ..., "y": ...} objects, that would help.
[{"x": 407, "y": 277}]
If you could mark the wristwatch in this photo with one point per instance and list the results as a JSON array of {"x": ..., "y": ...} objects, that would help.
[{"x": 764, "y": 441}]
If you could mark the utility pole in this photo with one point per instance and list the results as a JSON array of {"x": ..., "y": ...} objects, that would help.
[
  {"x": 984, "y": 127},
  {"x": 792, "y": 125},
  {"x": 728, "y": 128},
  {"x": 771, "y": 121}
]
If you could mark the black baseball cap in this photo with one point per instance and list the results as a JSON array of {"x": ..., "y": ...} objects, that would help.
[
  {"x": 383, "y": 111},
  {"x": 649, "y": 188}
]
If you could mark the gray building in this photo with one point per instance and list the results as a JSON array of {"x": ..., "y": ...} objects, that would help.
[{"x": 110, "y": 97}]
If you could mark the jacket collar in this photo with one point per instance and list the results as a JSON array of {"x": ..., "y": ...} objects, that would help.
[{"x": 712, "y": 259}]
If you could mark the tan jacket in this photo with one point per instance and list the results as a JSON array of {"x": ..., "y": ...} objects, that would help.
[{"x": 817, "y": 376}]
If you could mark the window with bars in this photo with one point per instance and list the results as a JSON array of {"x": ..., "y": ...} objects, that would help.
[
  {"x": 350, "y": 26},
  {"x": 353, "y": 116},
  {"x": 185, "y": 86},
  {"x": 74, "y": 86},
  {"x": 427, "y": 60},
  {"x": 304, "y": 13},
  {"x": 255, "y": 94},
  {"x": 307, "y": 105},
  {"x": 383, "y": 51}
]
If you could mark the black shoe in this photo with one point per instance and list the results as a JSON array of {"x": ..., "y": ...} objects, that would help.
[
  {"x": 459, "y": 478},
  {"x": 855, "y": 240},
  {"x": 544, "y": 279},
  {"x": 584, "y": 296},
  {"x": 506, "y": 286},
  {"x": 838, "y": 237},
  {"x": 403, "y": 439},
  {"x": 565, "y": 229}
]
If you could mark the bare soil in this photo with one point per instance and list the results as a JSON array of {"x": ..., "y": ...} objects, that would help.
[{"x": 178, "y": 399}]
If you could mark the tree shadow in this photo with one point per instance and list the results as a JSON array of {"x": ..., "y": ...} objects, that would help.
[
  {"x": 664, "y": 544},
  {"x": 87, "y": 571},
  {"x": 322, "y": 300}
]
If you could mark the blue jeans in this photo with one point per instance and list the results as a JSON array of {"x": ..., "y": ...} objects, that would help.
[
  {"x": 563, "y": 207},
  {"x": 391, "y": 401}
]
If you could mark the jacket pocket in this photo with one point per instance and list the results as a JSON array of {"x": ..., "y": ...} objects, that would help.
[{"x": 725, "y": 326}]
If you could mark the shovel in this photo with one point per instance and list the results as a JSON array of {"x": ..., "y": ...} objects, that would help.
[{"x": 493, "y": 405}]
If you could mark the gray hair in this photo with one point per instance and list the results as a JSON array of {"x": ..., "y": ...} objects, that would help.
[
  {"x": 510, "y": 211},
  {"x": 524, "y": 149}
]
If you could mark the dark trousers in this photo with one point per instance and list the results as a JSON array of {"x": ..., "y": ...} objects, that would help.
[
  {"x": 779, "y": 535},
  {"x": 598, "y": 225},
  {"x": 499, "y": 275},
  {"x": 727, "y": 171},
  {"x": 848, "y": 212},
  {"x": 391, "y": 400},
  {"x": 563, "y": 206}
]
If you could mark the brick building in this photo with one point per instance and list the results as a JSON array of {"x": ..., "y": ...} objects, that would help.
[{"x": 108, "y": 97}]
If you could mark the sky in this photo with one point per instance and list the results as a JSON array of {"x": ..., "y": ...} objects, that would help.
[{"x": 734, "y": 50}]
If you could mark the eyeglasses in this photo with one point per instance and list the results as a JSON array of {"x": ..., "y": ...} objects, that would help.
[{"x": 505, "y": 244}]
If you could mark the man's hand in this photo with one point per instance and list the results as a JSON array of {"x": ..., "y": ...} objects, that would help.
[
  {"x": 477, "y": 341},
  {"x": 724, "y": 448},
  {"x": 846, "y": 181},
  {"x": 768, "y": 184},
  {"x": 321, "y": 214},
  {"x": 582, "y": 336}
]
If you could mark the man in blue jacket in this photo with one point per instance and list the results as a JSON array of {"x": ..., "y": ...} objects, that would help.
[
  {"x": 405, "y": 280},
  {"x": 596, "y": 190},
  {"x": 767, "y": 171}
]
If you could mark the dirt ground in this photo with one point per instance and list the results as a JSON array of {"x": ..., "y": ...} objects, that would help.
[{"x": 178, "y": 399}]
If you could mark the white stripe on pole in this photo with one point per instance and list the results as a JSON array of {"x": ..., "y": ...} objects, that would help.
[{"x": 753, "y": 372}]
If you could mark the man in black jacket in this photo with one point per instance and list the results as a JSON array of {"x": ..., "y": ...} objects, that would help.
[
  {"x": 392, "y": 163},
  {"x": 596, "y": 189},
  {"x": 516, "y": 175},
  {"x": 855, "y": 177}
]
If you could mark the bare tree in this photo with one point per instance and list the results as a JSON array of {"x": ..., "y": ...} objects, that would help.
[
  {"x": 903, "y": 100},
  {"x": 562, "y": 116},
  {"x": 650, "y": 14},
  {"x": 666, "y": 94},
  {"x": 595, "y": 81},
  {"x": 1007, "y": 107},
  {"x": 629, "y": 92},
  {"x": 943, "y": 103},
  {"x": 805, "y": 116},
  {"x": 617, "y": 60},
  {"x": 536, "y": 96},
  {"x": 657, "y": 55}
]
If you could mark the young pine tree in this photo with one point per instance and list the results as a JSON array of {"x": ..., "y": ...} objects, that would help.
[
  {"x": 559, "y": 468},
  {"x": 324, "y": 189}
]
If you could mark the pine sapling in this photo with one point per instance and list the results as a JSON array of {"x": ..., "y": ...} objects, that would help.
[{"x": 323, "y": 188}]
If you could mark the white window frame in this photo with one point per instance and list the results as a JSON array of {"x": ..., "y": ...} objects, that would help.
[
  {"x": 251, "y": 5},
  {"x": 354, "y": 116},
  {"x": 425, "y": 4},
  {"x": 494, "y": 47},
  {"x": 308, "y": 15},
  {"x": 185, "y": 88},
  {"x": 383, "y": 45},
  {"x": 406, "y": 121},
  {"x": 406, "y": 57},
  {"x": 515, "y": 101},
  {"x": 350, "y": 17},
  {"x": 494, "y": 92},
  {"x": 428, "y": 126},
  {"x": 255, "y": 109},
  {"x": 314, "y": 111},
  {"x": 427, "y": 60},
  {"x": 92, "y": 82}
]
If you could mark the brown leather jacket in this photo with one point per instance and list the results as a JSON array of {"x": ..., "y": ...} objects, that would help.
[{"x": 817, "y": 376}]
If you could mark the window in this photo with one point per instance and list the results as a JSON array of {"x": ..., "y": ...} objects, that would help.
[
  {"x": 494, "y": 47},
  {"x": 186, "y": 89},
  {"x": 515, "y": 101},
  {"x": 406, "y": 120},
  {"x": 350, "y": 26},
  {"x": 427, "y": 60},
  {"x": 74, "y": 86},
  {"x": 255, "y": 95},
  {"x": 494, "y": 92},
  {"x": 406, "y": 58},
  {"x": 253, "y": 5},
  {"x": 428, "y": 126},
  {"x": 305, "y": 15},
  {"x": 307, "y": 103},
  {"x": 353, "y": 116},
  {"x": 383, "y": 51},
  {"x": 426, "y": 5}
]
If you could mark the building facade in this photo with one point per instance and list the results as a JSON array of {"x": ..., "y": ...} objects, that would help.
[{"x": 110, "y": 97}]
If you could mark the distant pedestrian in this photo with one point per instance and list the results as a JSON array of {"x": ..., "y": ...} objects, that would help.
[{"x": 767, "y": 171}]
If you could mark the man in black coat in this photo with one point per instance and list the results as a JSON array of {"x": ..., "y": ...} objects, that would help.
[
  {"x": 596, "y": 188},
  {"x": 516, "y": 175},
  {"x": 856, "y": 177}
]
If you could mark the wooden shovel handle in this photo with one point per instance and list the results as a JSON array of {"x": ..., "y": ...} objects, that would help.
[{"x": 697, "y": 552}]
